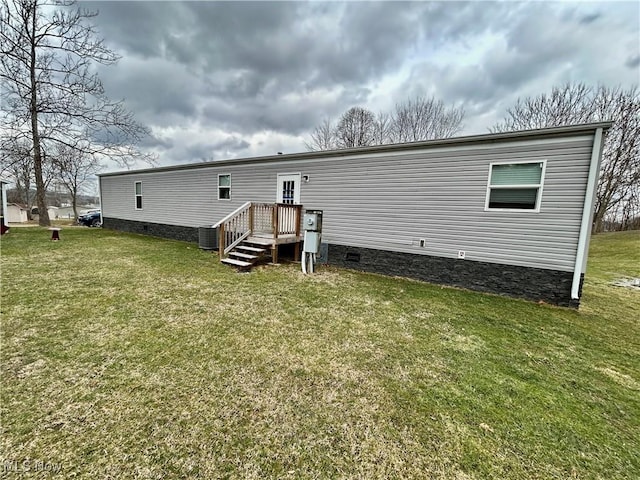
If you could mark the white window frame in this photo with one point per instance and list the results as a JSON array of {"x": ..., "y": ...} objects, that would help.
[
  {"x": 229, "y": 187},
  {"x": 539, "y": 186},
  {"x": 136, "y": 195}
]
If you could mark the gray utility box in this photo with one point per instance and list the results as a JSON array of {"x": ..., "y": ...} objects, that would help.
[
  {"x": 311, "y": 242},
  {"x": 208, "y": 237},
  {"x": 312, "y": 220}
]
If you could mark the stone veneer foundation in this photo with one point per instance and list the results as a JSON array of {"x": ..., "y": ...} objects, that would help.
[
  {"x": 537, "y": 284},
  {"x": 550, "y": 286},
  {"x": 175, "y": 232}
]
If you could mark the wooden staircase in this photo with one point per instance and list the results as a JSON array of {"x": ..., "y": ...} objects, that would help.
[
  {"x": 248, "y": 253},
  {"x": 255, "y": 230}
]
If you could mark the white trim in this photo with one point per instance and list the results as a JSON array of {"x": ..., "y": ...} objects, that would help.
[
  {"x": 5, "y": 213},
  {"x": 297, "y": 185},
  {"x": 539, "y": 186},
  {"x": 587, "y": 214},
  {"x": 100, "y": 200},
  {"x": 472, "y": 142},
  {"x": 229, "y": 187},
  {"x": 135, "y": 196}
]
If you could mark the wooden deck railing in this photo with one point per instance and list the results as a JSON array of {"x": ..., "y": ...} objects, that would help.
[
  {"x": 287, "y": 217},
  {"x": 273, "y": 219},
  {"x": 234, "y": 228}
]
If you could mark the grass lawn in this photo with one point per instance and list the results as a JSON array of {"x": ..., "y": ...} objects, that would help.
[{"x": 126, "y": 356}]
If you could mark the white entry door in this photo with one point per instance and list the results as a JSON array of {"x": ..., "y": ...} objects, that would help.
[{"x": 288, "y": 188}]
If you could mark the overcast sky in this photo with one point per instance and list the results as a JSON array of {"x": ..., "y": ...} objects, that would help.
[{"x": 216, "y": 80}]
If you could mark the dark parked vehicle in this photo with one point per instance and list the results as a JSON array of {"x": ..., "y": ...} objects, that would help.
[{"x": 90, "y": 219}]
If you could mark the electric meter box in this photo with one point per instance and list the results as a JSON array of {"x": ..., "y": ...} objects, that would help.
[
  {"x": 311, "y": 242},
  {"x": 312, "y": 221}
]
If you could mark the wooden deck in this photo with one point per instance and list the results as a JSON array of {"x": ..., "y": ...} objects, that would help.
[
  {"x": 264, "y": 226},
  {"x": 267, "y": 239}
]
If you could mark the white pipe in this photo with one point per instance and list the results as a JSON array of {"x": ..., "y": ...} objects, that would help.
[
  {"x": 308, "y": 262},
  {"x": 587, "y": 214}
]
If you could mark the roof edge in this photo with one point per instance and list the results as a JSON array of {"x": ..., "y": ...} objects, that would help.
[{"x": 479, "y": 138}]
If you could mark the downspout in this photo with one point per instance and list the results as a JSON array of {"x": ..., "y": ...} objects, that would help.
[{"x": 587, "y": 214}]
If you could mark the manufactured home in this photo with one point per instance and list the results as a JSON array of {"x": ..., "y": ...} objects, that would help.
[{"x": 508, "y": 213}]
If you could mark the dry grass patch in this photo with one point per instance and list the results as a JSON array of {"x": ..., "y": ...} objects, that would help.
[{"x": 131, "y": 357}]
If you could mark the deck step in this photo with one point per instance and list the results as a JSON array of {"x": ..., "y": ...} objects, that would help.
[
  {"x": 247, "y": 248},
  {"x": 236, "y": 263},
  {"x": 245, "y": 256},
  {"x": 266, "y": 242}
]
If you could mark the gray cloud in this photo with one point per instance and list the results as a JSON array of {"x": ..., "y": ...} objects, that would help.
[
  {"x": 154, "y": 142},
  {"x": 528, "y": 63},
  {"x": 240, "y": 69},
  {"x": 590, "y": 17},
  {"x": 633, "y": 62},
  {"x": 236, "y": 63}
]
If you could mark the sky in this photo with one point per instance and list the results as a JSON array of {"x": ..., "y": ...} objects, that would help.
[{"x": 222, "y": 80}]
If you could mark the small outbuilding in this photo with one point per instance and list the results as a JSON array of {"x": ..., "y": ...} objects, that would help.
[{"x": 17, "y": 213}]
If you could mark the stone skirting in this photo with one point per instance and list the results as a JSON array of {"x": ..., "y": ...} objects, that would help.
[
  {"x": 551, "y": 286},
  {"x": 537, "y": 284},
  {"x": 174, "y": 232}
]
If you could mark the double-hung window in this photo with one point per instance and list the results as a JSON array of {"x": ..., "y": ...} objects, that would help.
[
  {"x": 224, "y": 187},
  {"x": 515, "y": 186},
  {"x": 138, "y": 195}
]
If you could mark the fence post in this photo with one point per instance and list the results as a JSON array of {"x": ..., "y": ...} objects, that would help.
[{"x": 276, "y": 223}]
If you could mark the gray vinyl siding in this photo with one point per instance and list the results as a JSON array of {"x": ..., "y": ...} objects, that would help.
[{"x": 390, "y": 200}]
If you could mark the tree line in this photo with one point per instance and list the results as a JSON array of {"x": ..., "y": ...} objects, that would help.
[
  {"x": 415, "y": 119},
  {"x": 64, "y": 169},
  {"x": 57, "y": 123},
  {"x": 618, "y": 194}
]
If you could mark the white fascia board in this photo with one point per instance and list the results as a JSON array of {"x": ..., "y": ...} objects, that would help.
[
  {"x": 587, "y": 213},
  {"x": 100, "y": 199}
]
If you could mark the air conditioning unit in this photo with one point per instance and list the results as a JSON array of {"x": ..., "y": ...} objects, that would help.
[{"x": 208, "y": 237}]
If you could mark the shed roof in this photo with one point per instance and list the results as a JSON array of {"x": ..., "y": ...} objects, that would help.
[{"x": 458, "y": 141}]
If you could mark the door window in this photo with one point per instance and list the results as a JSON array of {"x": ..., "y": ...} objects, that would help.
[{"x": 289, "y": 188}]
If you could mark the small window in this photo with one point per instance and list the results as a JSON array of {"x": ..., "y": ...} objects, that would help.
[
  {"x": 224, "y": 187},
  {"x": 515, "y": 186},
  {"x": 138, "y": 195}
]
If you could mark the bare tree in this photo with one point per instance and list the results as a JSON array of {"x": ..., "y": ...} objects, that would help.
[
  {"x": 382, "y": 129},
  {"x": 323, "y": 137},
  {"x": 50, "y": 92},
  {"x": 355, "y": 128},
  {"x": 425, "y": 119},
  {"x": 620, "y": 170},
  {"x": 617, "y": 195},
  {"x": 74, "y": 169},
  {"x": 413, "y": 120},
  {"x": 568, "y": 104}
]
